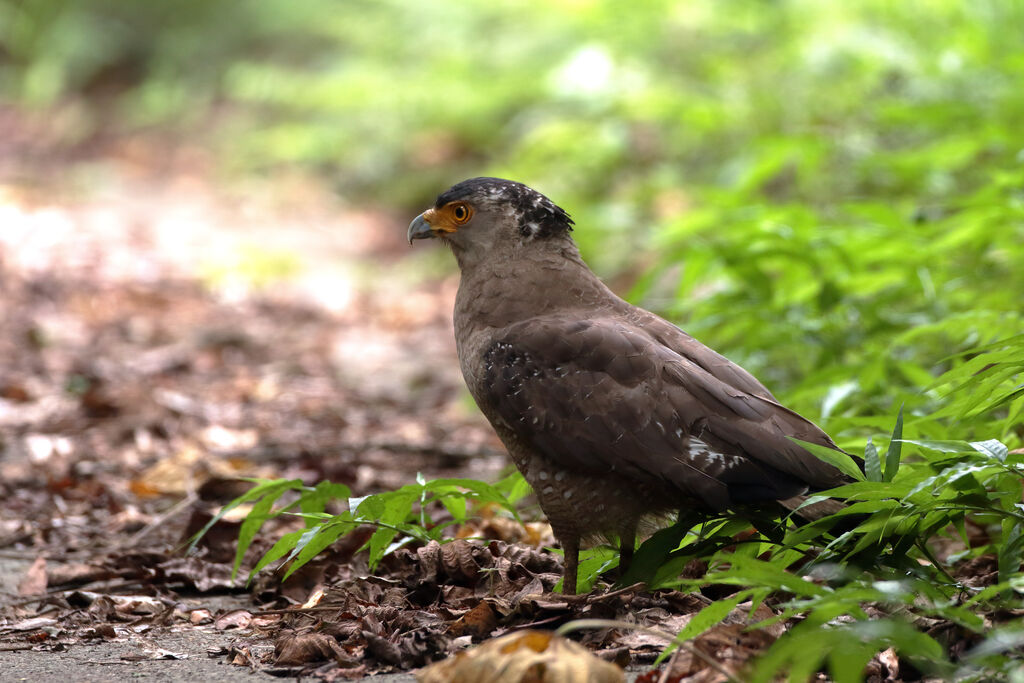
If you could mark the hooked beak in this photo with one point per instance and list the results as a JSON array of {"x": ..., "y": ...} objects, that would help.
[{"x": 420, "y": 229}]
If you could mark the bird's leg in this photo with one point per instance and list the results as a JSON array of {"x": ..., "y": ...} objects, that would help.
[
  {"x": 571, "y": 552},
  {"x": 627, "y": 542}
]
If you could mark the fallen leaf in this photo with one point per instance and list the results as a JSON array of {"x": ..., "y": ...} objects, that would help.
[
  {"x": 31, "y": 624},
  {"x": 15, "y": 392},
  {"x": 200, "y": 616},
  {"x": 154, "y": 654},
  {"x": 296, "y": 649},
  {"x": 238, "y": 618},
  {"x": 524, "y": 657},
  {"x": 105, "y": 631},
  {"x": 34, "y": 580},
  {"x": 315, "y": 597},
  {"x": 75, "y": 574},
  {"x": 891, "y": 661},
  {"x": 477, "y": 622}
]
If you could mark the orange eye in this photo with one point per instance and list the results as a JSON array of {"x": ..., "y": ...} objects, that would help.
[{"x": 461, "y": 213}]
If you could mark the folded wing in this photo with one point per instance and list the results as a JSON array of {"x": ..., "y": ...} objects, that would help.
[{"x": 609, "y": 394}]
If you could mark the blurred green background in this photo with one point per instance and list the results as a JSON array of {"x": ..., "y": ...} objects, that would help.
[{"x": 831, "y": 193}]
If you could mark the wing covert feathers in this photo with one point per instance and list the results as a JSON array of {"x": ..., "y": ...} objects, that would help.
[{"x": 606, "y": 394}]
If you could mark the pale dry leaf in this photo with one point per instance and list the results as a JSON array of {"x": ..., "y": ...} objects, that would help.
[
  {"x": 315, "y": 597},
  {"x": 524, "y": 657},
  {"x": 200, "y": 616},
  {"x": 30, "y": 624},
  {"x": 891, "y": 661},
  {"x": 238, "y": 618},
  {"x": 34, "y": 581}
]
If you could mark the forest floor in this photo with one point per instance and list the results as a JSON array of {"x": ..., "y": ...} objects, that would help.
[{"x": 162, "y": 338}]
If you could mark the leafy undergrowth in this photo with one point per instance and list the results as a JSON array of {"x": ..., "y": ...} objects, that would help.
[{"x": 919, "y": 575}]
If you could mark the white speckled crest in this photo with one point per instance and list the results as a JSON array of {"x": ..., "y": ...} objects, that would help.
[{"x": 536, "y": 215}]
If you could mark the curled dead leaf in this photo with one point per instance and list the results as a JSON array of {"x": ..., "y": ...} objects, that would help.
[
  {"x": 457, "y": 560},
  {"x": 524, "y": 657},
  {"x": 297, "y": 649}
]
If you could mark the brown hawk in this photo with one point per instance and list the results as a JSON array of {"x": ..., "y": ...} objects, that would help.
[{"x": 611, "y": 413}]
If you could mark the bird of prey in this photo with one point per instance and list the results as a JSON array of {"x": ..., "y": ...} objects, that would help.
[{"x": 611, "y": 413}]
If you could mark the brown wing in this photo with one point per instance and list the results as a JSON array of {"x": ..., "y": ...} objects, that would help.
[
  {"x": 717, "y": 365},
  {"x": 604, "y": 395}
]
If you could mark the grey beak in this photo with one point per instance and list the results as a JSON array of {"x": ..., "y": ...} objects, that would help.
[{"x": 420, "y": 229}]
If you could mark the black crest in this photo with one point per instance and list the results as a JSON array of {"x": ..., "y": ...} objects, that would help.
[{"x": 538, "y": 216}]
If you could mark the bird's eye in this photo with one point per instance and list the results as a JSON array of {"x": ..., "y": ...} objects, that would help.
[{"x": 461, "y": 213}]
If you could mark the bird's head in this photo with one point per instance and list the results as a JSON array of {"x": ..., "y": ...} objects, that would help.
[{"x": 479, "y": 215}]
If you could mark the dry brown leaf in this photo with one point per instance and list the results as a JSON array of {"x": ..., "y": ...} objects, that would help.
[
  {"x": 15, "y": 392},
  {"x": 200, "y": 616},
  {"x": 477, "y": 622},
  {"x": 238, "y": 618},
  {"x": 34, "y": 581},
  {"x": 524, "y": 657},
  {"x": 302, "y": 648},
  {"x": 77, "y": 573},
  {"x": 454, "y": 560},
  {"x": 189, "y": 468}
]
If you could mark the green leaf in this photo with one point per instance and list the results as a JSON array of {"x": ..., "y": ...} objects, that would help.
[
  {"x": 378, "y": 544},
  {"x": 514, "y": 487},
  {"x": 593, "y": 563},
  {"x": 992, "y": 448},
  {"x": 942, "y": 446},
  {"x": 841, "y": 461},
  {"x": 657, "y": 549},
  {"x": 457, "y": 506},
  {"x": 801, "y": 651},
  {"x": 847, "y": 660},
  {"x": 368, "y": 507},
  {"x": 263, "y": 488},
  {"x": 260, "y": 513},
  {"x": 892, "y": 455},
  {"x": 1010, "y": 549},
  {"x": 282, "y": 547},
  {"x": 314, "y": 541},
  {"x": 480, "y": 491},
  {"x": 872, "y": 466},
  {"x": 750, "y": 571}
]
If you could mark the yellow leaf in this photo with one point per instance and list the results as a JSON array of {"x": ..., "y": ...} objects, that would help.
[{"x": 523, "y": 657}]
